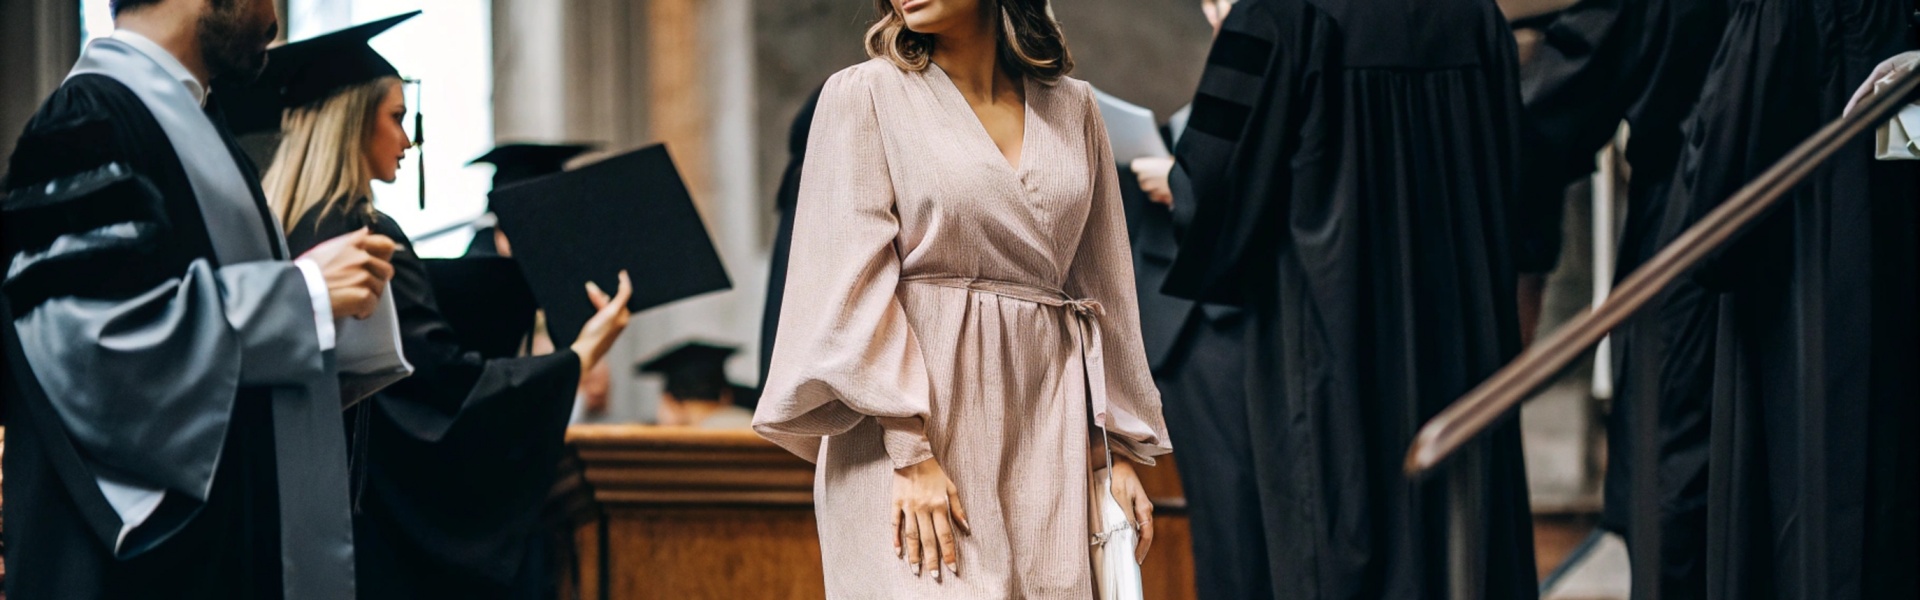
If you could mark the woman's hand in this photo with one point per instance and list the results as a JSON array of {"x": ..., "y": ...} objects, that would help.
[
  {"x": 1893, "y": 68},
  {"x": 1133, "y": 498},
  {"x": 926, "y": 507},
  {"x": 598, "y": 335}
]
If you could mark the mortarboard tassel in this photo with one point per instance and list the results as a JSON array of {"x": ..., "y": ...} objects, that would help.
[{"x": 420, "y": 138}]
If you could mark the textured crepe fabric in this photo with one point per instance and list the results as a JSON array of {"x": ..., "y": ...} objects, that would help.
[{"x": 942, "y": 302}]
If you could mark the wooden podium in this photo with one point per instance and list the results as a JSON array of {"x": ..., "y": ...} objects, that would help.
[{"x": 655, "y": 512}]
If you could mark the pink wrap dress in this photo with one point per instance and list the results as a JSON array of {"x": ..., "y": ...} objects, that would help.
[{"x": 942, "y": 302}]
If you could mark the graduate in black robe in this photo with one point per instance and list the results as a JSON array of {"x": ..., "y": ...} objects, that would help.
[
  {"x": 229, "y": 550},
  {"x": 786, "y": 202},
  {"x": 1813, "y": 466},
  {"x": 1601, "y": 62},
  {"x": 163, "y": 344},
  {"x": 1353, "y": 164},
  {"x": 453, "y": 465}
]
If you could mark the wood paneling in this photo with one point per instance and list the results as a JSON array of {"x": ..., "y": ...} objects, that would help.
[
  {"x": 719, "y": 553},
  {"x": 701, "y": 514}
]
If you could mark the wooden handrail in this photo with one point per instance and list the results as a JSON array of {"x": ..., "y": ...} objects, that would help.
[{"x": 1481, "y": 408}]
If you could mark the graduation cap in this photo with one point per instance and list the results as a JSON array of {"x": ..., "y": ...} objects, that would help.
[
  {"x": 628, "y": 212},
  {"x": 305, "y": 72},
  {"x": 694, "y": 370},
  {"x": 486, "y": 301},
  {"x": 513, "y": 163}
]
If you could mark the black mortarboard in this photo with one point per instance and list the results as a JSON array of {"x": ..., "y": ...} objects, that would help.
[
  {"x": 513, "y": 163},
  {"x": 486, "y": 301},
  {"x": 307, "y": 71},
  {"x": 628, "y": 212},
  {"x": 694, "y": 370}
]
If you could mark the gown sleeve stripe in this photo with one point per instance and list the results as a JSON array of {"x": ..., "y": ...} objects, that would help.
[
  {"x": 37, "y": 214},
  {"x": 1219, "y": 117},
  {"x": 1241, "y": 52}
]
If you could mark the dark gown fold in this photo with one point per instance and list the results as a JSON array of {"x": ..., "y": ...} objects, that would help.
[
  {"x": 453, "y": 464},
  {"x": 1354, "y": 165},
  {"x": 1813, "y": 465},
  {"x": 1601, "y": 62}
]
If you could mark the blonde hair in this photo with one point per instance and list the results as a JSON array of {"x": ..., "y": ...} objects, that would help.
[
  {"x": 1031, "y": 42},
  {"x": 322, "y": 160}
]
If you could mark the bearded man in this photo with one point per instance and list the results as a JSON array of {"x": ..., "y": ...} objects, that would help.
[{"x": 170, "y": 368}]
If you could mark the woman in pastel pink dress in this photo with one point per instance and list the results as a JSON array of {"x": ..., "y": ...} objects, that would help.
[{"x": 960, "y": 323}]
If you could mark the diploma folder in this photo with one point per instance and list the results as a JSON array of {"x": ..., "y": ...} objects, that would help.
[
  {"x": 367, "y": 353},
  {"x": 628, "y": 212}
]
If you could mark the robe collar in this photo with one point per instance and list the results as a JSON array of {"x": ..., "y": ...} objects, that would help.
[{"x": 168, "y": 63}]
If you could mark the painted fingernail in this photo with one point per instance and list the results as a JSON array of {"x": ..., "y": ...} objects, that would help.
[{"x": 954, "y": 569}]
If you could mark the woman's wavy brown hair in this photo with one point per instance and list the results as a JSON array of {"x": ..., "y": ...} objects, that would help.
[{"x": 1031, "y": 43}]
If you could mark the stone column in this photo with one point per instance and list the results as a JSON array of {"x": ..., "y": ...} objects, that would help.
[
  {"x": 700, "y": 90},
  {"x": 625, "y": 74}
]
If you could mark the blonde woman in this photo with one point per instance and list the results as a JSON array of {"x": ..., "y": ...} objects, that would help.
[
  {"x": 451, "y": 465},
  {"x": 959, "y": 327}
]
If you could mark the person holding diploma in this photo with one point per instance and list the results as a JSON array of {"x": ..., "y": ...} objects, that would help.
[
  {"x": 169, "y": 358},
  {"x": 453, "y": 464}
]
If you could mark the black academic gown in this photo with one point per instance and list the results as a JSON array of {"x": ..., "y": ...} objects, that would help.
[
  {"x": 1352, "y": 166},
  {"x": 230, "y": 548},
  {"x": 1601, "y": 62},
  {"x": 1198, "y": 359},
  {"x": 1814, "y": 465},
  {"x": 786, "y": 202},
  {"x": 452, "y": 465}
]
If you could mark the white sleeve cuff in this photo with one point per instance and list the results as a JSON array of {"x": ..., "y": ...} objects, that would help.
[
  {"x": 134, "y": 503},
  {"x": 322, "y": 302}
]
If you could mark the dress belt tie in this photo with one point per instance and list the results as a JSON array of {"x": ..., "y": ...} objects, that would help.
[{"x": 1086, "y": 333}]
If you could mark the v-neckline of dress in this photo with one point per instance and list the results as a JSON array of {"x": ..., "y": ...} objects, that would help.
[{"x": 980, "y": 127}]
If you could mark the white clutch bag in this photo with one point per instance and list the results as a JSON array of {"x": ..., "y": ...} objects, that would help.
[
  {"x": 1899, "y": 137},
  {"x": 1115, "y": 575}
]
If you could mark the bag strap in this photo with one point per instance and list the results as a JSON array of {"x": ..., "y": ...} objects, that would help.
[{"x": 1107, "y": 441}]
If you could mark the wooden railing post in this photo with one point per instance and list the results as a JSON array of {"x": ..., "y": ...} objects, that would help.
[{"x": 1466, "y": 525}]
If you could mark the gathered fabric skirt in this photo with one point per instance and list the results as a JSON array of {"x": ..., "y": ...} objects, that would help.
[{"x": 1009, "y": 425}]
